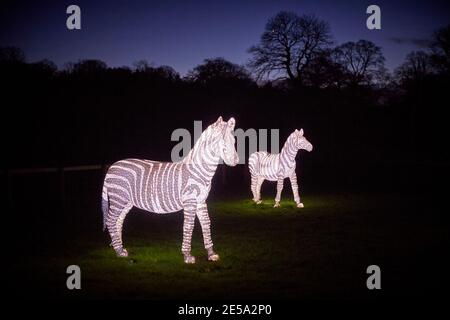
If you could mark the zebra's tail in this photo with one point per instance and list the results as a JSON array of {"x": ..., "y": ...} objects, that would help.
[{"x": 105, "y": 204}]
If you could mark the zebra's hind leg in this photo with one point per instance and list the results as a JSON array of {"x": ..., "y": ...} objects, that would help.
[
  {"x": 259, "y": 183},
  {"x": 115, "y": 229}
]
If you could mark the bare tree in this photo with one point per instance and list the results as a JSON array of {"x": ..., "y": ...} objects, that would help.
[
  {"x": 324, "y": 72},
  {"x": 143, "y": 65},
  {"x": 148, "y": 71},
  {"x": 288, "y": 45},
  {"x": 218, "y": 70},
  {"x": 362, "y": 60},
  {"x": 417, "y": 65},
  {"x": 440, "y": 47},
  {"x": 89, "y": 67},
  {"x": 44, "y": 67},
  {"x": 167, "y": 72}
]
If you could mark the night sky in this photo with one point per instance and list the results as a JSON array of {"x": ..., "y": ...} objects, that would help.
[{"x": 183, "y": 33}]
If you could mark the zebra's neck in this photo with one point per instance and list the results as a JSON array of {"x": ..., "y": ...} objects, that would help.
[
  {"x": 289, "y": 152},
  {"x": 203, "y": 158}
]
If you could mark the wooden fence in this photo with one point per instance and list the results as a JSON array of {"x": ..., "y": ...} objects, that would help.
[{"x": 61, "y": 171}]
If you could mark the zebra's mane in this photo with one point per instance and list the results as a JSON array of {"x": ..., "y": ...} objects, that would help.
[
  {"x": 290, "y": 140},
  {"x": 203, "y": 149}
]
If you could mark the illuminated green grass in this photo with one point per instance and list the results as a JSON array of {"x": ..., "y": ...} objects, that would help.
[{"x": 321, "y": 250}]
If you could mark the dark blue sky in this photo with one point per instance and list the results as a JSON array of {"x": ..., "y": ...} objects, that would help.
[{"x": 183, "y": 33}]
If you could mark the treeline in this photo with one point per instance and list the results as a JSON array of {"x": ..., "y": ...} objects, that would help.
[{"x": 293, "y": 51}]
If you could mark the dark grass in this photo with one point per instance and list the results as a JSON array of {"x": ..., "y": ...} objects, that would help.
[{"x": 321, "y": 251}]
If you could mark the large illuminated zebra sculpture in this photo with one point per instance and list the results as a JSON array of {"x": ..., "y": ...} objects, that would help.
[
  {"x": 277, "y": 167},
  {"x": 164, "y": 187}
]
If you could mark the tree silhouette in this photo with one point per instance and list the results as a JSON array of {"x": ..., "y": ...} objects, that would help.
[
  {"x": 288, "y": 45},
  {"x": 417, "y": 65},
  {"x": 324, "y": 72},
  {"x": 147, "y": 71},
  {"x": 362, "y": 60},
  {"x": 45, "y": 67},
  {"x": 142, "y": 65},
  {"x": 167, "y": 72},
  {"x": 11, "y": 55},
  {"x": 440, "y": 47},
  {"x": 89, "y": 67},
  {"x": 218, "y": 70}
]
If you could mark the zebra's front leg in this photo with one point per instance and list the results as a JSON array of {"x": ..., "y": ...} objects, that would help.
[
  {"x": 188, "y": 228},
  {"x": 279, "y": 189},
  {"x": 294, "y": 186},
  {"x": 205, "y": 222}
]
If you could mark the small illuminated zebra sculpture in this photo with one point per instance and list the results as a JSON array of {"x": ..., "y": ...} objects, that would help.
[
  {"x": 164, "y": 187},
  {"x": 277, "y": 167}
]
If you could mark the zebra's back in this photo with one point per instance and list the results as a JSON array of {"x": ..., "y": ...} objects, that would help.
[{"x": 150, "y": 185}]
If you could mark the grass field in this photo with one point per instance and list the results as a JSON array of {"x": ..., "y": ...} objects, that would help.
[{"x": 321, "y": 251}]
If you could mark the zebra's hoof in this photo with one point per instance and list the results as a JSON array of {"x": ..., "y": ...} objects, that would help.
[
  {"x": 123, "y": 253},
  {"x": 189, "y": 259},
  {"x": 213, "y": 257},
  {"x": 300, "y": 205},
  {"x": 276, "y": 205}
]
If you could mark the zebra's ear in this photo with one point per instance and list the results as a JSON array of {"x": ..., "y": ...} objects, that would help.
[
  {"x": 300, "y": 132},
  {"x": 219, "y": 120},
  {"x": 231, "y": 123}
]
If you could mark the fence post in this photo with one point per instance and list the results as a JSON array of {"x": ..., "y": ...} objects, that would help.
[
  {"x": 9, "y": 186},
  {"x": 62, "y": 189},
  {"x": 224, "y": 174},
  {"x": 104, "y": 169}
]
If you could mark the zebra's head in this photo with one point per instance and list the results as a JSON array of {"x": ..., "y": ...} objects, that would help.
[
  {"x": 301, "y": 142},
  {"x": 226, "y": 141}
]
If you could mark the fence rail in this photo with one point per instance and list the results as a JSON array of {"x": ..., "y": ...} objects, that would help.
[
  {"x": 54, "y": 169},
  {"x": 59, "y": 171}
]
